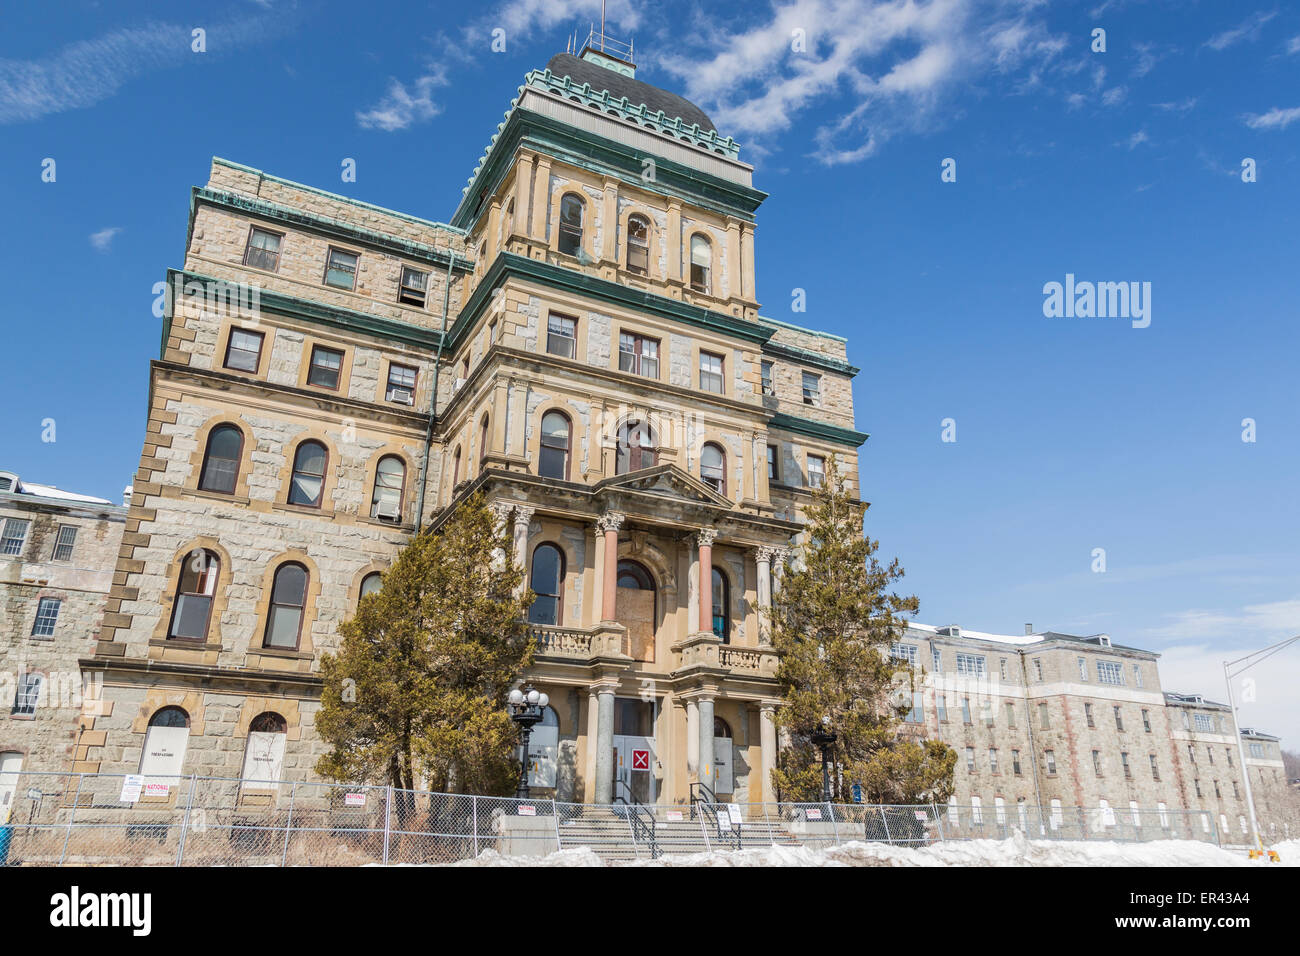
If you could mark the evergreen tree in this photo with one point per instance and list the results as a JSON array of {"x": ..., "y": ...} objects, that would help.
[
  {"x": 832, "y": 623},
  {"x": 415, "y": 696}
]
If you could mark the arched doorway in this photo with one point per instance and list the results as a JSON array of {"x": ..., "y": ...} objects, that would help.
[{"x": 635, "y": 609}]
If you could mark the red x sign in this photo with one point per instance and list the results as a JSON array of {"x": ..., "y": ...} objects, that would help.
[{"x": 640, "y": 760}]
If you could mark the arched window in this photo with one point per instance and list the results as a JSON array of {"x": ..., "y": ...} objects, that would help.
[
  {"x": 636, "y": 448},
  {"x": 633, "y": 575},
  {"x": 307, "y": 486},
  {"x": 547, "y": 582},
  {"x": 163, "y": 754},
  {"x": 288, "y": 600},
  {"x": 636, "y": 609},
  {"x": 543, "y": 750},
  {"x": 390, "y": 479},
  {"x": 371, "y": 583},
  {"x": 701, "y": 263},
  {"x": 721, "y": 728},
  {"x": 484, "y": 433},
  {"x": 713, "y": 467},
  {"x": 264, "y": 752},
  {"x": 195, "y": 588},
  {"x": 553, "y": 459},
  {"x": 638, "y": 245},
  {"x": 721, "y": 618},
  {"x": 571, "y": 212},
  {"x": 221, "y": 460},
  {"x": 455, "y": 468}
]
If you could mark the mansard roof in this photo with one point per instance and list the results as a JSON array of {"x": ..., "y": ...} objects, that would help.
[{"x": 635, "y": 91}]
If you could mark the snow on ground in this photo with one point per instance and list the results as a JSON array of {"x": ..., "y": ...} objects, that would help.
[{"x": 1016, "y": 851}]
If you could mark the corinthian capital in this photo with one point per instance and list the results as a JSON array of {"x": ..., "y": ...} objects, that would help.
[
  {"x": 704, "y": 538},
  {"x": 610, "y": 521}
]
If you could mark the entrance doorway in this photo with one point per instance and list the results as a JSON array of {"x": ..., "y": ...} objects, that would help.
[
  {"x": 11, "y": 762},
  {"x": 635, "y": 756},
  {"x": 723, "y": 772}
]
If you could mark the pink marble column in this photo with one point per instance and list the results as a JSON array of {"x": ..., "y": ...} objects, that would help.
[
  {"x": 705, "y": 539},
  {"x": 609, "y": 523}
]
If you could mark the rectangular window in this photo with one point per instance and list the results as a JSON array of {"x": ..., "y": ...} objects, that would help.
[
  {"x": 47, "y": 615},
  {"x": 1110, "y": 672},
  {"x": 1083, "y": 668},
  {"x": 414, "y": 287},
  {"x": 986, "y": 711},
  {"x": 970, "y": 759},
  {"x": 1119, "y": 719},
  {"x": 1205, "y": 722},
  {"x": 812, "y": 389},
  {"x": 1228, "y": 754},
  {"x": 1044, "y": 721},
  {"x": 773, "y": 469},
  {"x": 638, "y": 355},
  {"x": 711, "y": 372},
  {"x": 971, "y": 665},
  {"x": 1011, "y": 714},
  {"x": 1087, "y": 714},
  {"x": 263, "y": 250},
  {"x": 1256, "y": 749},
  {"x": 341, "y": 269},
  {"x": 1197, "y": 784},
  {"x": 244, "y": 350},
  {"x": 1155, "y": 768},
  {"x": 1137, "y": 675},
  {"x": 816, "y": 471},
  {"x": 903, "y": 652},
  {"x": 401, "y": 384},
  {"x": 1191, "y": 753},
  {"x": 1210, "y": 753},
  {"x": 937, "y": 657},
  {"x": 965, "y": 710},
  {"x": 941, "y": 705},
  {"x": 325, "y": 367},
  {"x": 768, "y": 387},
  {"x": 1038, "y": 670},
  {"x": 1002, "y": 667},
  {"x": 1050, "y": 756},
  {"x": 562, "y": 336},
  {"x": 1096, "y": 762},
  {"x": 1015, "y": 762},
  {"x": 1123, "y": 760},
  {"x": 917, "y": 714},
  {"x": 27, "y": 694},
  {"x": 15, "y": 535},
  {"x": 1146, "y": 720},
  {"x": 993, "y": 759},
  {"x": 65, "y": 543}
]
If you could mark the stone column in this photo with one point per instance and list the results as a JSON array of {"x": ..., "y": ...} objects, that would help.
[
  {"x": 692, "y": 737},
  {"x": 763, "y": 558},
  {"x": 609, "y": 222},
  {"x": 502, "y": 514},
  {"x": 767, "y": 748},
  {"x": 673, "y": 241},
  {"x": 609, "y": 523},
  {"x": 541, "y": 198},
  {"x": 523, "y": 194},
  {"x": 593, "y": 745},
  {"x": 605, "y": 745},
  {"x": 708, "y": 772},
  {"x": 734, "y": 268},
  {"x": 523, "y": 518},
  {"x": 704, "y": 539}
]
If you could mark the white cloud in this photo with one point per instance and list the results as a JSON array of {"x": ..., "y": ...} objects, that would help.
[
  {"x": 1137, "y": 139},
  {"x": 1275, "y": 619},
  {"x": 103, "y": 240},
  {"x": 1274, "y": 119},
  {"x": 1293, "y": 44},
  {"x": 1265, "y": 693},
  {"x": 1248, "y": 29},
  {"x": 1181, "y": 106},
  {"x": 1114, "y": 96},
  {"x": 402, "y": 106},
  {"x": 82, "y": 74}
]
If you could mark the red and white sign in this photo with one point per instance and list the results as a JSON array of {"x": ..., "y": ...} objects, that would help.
[
  {"x": 814, "y": 813},
  {"x": 674, "y": 815},
  {"x": 640, "y": 760},
  {"x": 526, "y": 810},
  {"x": 920, "y": 815},
  {"x": 354, "y": 799}
]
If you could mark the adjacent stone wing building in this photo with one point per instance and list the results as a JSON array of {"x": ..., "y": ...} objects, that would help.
[{"x": 582, "y": 343}]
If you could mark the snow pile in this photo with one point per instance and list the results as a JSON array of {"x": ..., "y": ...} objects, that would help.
[{"x": 1016, "y": 851}]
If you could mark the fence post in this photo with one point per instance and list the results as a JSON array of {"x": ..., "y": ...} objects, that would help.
[
  {"x": 473, "y": 809},
  {"x": 884, "y": 818},
  {"x": 73, "y": 816},
  {"x": 938, "y": 820},
  {"x": 185, "y": 821},
  {"x": 555, "y": 813},
  {"x": 835, "y": 823},
  {"x": 288, "y": 824},
  {"x": 388, "y": 818}
]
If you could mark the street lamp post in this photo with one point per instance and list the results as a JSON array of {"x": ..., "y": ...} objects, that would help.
[
  {"x": 1228, "y": 675},
  {"x": 824, "y": 739},
  {"x": 527, "y": 707}
]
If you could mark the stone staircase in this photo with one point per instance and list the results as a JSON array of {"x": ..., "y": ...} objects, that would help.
[{"x": 609, "y": 834}]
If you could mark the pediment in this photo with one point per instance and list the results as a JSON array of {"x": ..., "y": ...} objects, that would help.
[{"x": 667, "y": 481}]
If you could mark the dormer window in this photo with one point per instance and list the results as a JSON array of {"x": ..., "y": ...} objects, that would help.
[
  {"x": 638, "y": 245},
  {"x": 701, "y": 263},
  {"x": 571, "y": 213}
]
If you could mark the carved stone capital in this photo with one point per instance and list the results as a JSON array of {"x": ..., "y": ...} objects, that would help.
[
  {"x": 610, "y": 521},
  {"x": 705, "y": 537}
]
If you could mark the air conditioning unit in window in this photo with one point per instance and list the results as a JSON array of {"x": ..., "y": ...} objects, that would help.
[
  {"x": 402, "y": 396},
  {"x": 390, "y": 510}
]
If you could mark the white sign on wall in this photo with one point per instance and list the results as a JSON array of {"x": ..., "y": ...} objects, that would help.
[
  {"x": 131, "y": 788},
  {"x": 264, "y": 758},
  {"x": 164, "y": 753}
]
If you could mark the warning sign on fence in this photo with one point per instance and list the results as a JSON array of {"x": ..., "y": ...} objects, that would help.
[{"x": 354, "y": 799}]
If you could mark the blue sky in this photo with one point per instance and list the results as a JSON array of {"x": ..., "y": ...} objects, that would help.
[{"x": 1072, "y": 434}]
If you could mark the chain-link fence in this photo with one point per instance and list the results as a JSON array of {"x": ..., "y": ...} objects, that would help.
[{"x": 117, "y": 819}]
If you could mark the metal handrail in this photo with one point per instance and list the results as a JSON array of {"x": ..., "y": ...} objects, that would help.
[
  {"x": 704, "y": 797},
  {"x": 640, "y": 828}
]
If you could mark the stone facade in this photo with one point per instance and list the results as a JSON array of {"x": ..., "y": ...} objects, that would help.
[{"x": 56, "y": 566}]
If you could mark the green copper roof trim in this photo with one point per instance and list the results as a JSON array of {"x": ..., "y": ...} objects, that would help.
[
  {"x": 508, "y": 264},
  {"x": 322, "y": 314},
  {"x": 335, "y": 228},
  {"x": 605, "y": 156},
  {"x": 800, "y": 328},
  {"x": 806, "y": 357},
  {"x": 814, "y": 429},
  {"x": 347, "y": 199}
]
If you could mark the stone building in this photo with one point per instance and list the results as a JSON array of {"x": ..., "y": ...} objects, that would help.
[
  {"x": 1063, "y": 722},
  {"x": 57, "y": 551},
  {"x": 582, "y": 343}
]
